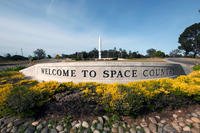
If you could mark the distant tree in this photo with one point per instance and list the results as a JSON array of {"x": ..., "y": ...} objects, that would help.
[
  {"x": 18, "y": 57},
  {"x": 94, "y": 53},
  {"x": 154, "y": 53},
  {"x": 39, "y": 54},
  {"x": 58, "y": 56},
  {"x": 151, "y": 52},
  {"x": 120, "y": 52},
  {"x": 84, "y": 55},
  {"x": 14, "y": 57},
  {"x": 111, "y": 53},
  {"x": 77, "y": 56},
  {"x": 135, "y": 55},
  {"x": 49, "y": 56},
  {"x": 30, "y": 58},
  {"x": 124, "y": 54},
  {"x": 159, "y": 54},
  {"x": 190, "y": 40},
  {"x": 175, "y": 53},
  {"x": 2, "y": 58},
  {"x": 8, "y": 56}
]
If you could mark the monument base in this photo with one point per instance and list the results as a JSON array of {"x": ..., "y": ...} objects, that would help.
[{"x": 103, "y": 71}]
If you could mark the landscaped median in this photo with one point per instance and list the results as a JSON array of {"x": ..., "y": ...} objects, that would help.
[
  {"x": 46, "y": 101},
  {"x": 22, "y": 96}
]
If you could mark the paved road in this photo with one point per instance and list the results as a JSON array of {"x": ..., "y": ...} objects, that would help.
[
  {"x": 3, "y": 67},
  {"x": 186, "y": 63}
]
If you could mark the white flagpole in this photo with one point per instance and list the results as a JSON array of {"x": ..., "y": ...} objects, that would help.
[{"x": 99, "y": 47}]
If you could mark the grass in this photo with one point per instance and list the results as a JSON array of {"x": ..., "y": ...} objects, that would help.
[
  {"x": 17, "y": 68},
  {"x": 196, "y": 67}
]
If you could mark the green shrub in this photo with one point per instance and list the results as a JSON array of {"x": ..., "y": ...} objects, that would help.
[
  {"x": 16, "y": 68},
  {"x": 135, "y": 104},
  {"x": 4, "y": 74},
  {"x": 196, "y": 67},
  {"x": 21, "y": 101}
]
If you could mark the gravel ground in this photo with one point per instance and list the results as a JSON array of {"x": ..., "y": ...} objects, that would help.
[{"x": 184, "y": 120}]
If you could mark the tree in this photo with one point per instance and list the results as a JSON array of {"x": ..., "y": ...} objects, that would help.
[
  {"x": 134, "y": 54},
  {"x": 39, "y": 54},
  {"x": 49, "y": 56},
  {"x": 18, "y": 57},
  {"x": 8, "y": 56},
  {"x": 154, "y": 53},
  {"x": 190, "y": 40},
  {"x": 159, "y": 54},
  {"x": 93, "y": 53},
  {"x": 2, "y": 58},
  {"x": 30, "y": 58},
  {"x": 175, "y": 53},
  {"x": 58, "y": 56},
  {"x": 151, "y": 52}
]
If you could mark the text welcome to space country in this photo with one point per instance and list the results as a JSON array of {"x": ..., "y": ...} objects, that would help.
[{"x": 109, "y": 73}]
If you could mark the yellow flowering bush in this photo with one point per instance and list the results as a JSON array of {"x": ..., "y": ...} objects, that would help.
[
  {"x": 87, "y": 91},
  {"x": 11, "y": 77},
  {"x": 151, "y": 94},
  {"x": 46, "y": 87},
  {"x": 26, "y": 82},
  {"x": 110, "y": 93},
  {"x": 44, "y": 91},
  {"x": 4, "y": 93}
]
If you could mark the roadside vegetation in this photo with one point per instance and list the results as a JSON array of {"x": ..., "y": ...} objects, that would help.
[
  {"x": 25, "y": 97},
  {"x": 196, "y": 67}
]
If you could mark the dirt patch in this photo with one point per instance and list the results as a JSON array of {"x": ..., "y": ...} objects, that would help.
[{"x": 74, "y": 104}]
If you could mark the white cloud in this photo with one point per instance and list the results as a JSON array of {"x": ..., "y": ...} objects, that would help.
[
  {"x": 17, "y": 33},
  {"x": 31, "y": 35},
  {"x": 61, "y": 30}
]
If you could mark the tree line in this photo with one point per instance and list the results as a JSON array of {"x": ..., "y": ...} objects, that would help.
[{"x": 93, "y": 54}]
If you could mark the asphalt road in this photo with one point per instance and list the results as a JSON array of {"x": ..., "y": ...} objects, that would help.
[
  {"x": 186, "y": 61},
  {"x": 3, "y": 67}
]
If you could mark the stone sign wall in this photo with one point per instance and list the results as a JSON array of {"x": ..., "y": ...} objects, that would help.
[{"x": 106, "y": 72}]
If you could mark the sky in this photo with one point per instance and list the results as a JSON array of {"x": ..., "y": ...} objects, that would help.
[{"x": 68, "y": 26}]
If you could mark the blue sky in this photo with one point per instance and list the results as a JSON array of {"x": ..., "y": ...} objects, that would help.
[{"x": 67, "y": 26}]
